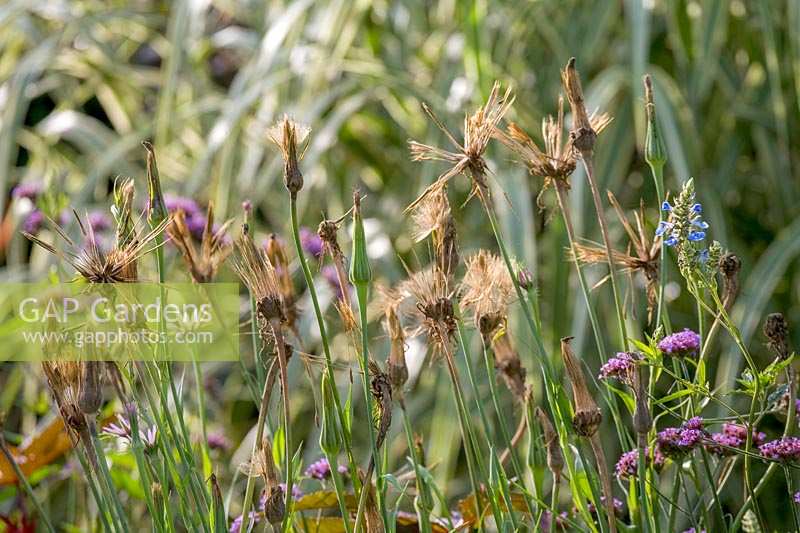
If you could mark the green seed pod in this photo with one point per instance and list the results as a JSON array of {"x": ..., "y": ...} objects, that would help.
[
  {"x": 360, "y": 272},
  {"x": 156, "y": 208},
  {"x": 654, "y": 151},
  {"x": 328, "y": 436}
]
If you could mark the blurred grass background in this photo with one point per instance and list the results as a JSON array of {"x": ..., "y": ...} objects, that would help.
[{"x": 82, "y": 83}]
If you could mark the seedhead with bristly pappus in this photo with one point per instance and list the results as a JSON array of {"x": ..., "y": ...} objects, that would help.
[
  {"x": 642, "y": 255},
  {"x": 96, "y": 265},
  {"x": 467, "y": 158},
  {"x": 214, "y": 248}
]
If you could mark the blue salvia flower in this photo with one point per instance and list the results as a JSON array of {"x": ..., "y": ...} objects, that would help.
[
  {"x": 663, "y": 227},
  {"x": 695, "y": 236},
  {"x": 665, "y": 206}
]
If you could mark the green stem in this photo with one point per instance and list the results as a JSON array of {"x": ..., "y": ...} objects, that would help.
[
  {"x": 662, "y": 314},
  {"x": 362, "y": 290},
  {"x": 424, "y": 507},
  {"x": 588, "y": 165}
]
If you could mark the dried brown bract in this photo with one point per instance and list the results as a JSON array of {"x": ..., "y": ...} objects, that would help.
[
  {"x": 97, "y": 266},
  {"x": 214, "y": 249},
  {"x": 776, "y": 330},
  {"x": 729, "y": 266},
  {"x": 467, "y": 156},
  {"x": 287, "y": 135},
  {"x": 279, "y": 259},
  {"x": 587, "y": 416},
  {"x": 642, "y": 255}
]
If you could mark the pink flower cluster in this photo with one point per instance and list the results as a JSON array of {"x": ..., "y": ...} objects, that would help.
[
  {"x": 786, "y": 449},
  {"x": 628, "y": 463},
  {"x": 685, "y": 343},
  {"x": 678, "y": 441},
  {"x": 733, "y": 436},
  {"x": 619, "y": 367}
]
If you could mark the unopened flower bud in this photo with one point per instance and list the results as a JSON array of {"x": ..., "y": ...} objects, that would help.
[
  {"x": 555, "y": 458},
  {"x": 583, "y": 135},
  {"x": 328, "y": 436},
  {"x": 525, "y": 279},
  {"x": 360, "y": 272},
  {"x": 156, "y": 207},
  {"x": 654, "y": 151},
  {"x": 286, "y": 134}
]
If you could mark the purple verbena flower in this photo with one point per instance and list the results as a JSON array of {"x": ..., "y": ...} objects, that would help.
[
  {"x": 620, "y": 367},
  {"x": 33, "y": 222},
  {"x": 29, "y": 190},
  {"x": 218, "y": 441},
  {"x": 785, "y": 449},
  {"x": 685, "y": 343},
  {"x": 236, "y": 525},
  {"x": 296, "y": 492},
  {"x": 618, "y": 506},
  {"x": 796, "y": 497},
  {"x": 311, "y": 242},
  {"x": 628, "y": 463},
  {"x": 320, "y": 469},
  {"x": 674, "y": 442},
  {"x": 99, "y": 221},
  {"x": 733, "y": 436}
]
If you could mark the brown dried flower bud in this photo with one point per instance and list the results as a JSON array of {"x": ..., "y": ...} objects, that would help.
[
  {"x": 583, "y": 136},
  {"x": 90, "y": 397},
  {"x": 507, "y": 361},
  {"x": 555, "y": 458},
  {"x": 776, "y": 330},
  {"x": 286, "y": 135},
  {"x": 587, "y": 416},
  {"x": 729, "y": 266},
  {"x": 327, "y": 231}
]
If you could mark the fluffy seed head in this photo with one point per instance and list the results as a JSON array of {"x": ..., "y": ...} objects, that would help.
[
  {"x": 487, "y": 289},
  {"x": 287, "y": 135}
]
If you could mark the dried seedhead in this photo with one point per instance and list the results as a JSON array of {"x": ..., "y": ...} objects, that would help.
[
  {"x": 486, "y": 290},
  {"x": 396, "y": 368},
  {"x": 431, "y": 305},
  {"x": 433, "y": 217},
  {"x": 287, "y": 135},
  {"x": 730, "y": 265},
  {"x": 214, "y": 248},
  {"x": 97, "y": 266},
  {"x": 642, "y": 254},
  {"x": 467, "y": 158}
]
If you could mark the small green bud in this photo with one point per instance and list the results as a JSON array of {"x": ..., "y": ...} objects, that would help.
[
  {"x": 328, "y": 436},
  {"x": 654, "y": 151},
  {"x": 360, "y": 272},
  {"x": 156, "y": 208}
]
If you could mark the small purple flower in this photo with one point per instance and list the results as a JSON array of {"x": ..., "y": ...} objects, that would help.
[
  {"x": 733, "y": 436},
  {"x": 33, "y": 222},
  {"x": 182, "y": 203},
  {"x": 99, "y": 221},
  {"x": 620, "y": 367},
  {"x": 547, "y": 520},
  {"x": 236, "y": 525},
  {"x": 618, "y": 506},
  {"x": 296, "y": 492},
  {"x": 785, "y": 449},
  {"x": 693, "y": 530},
  {"x": 320, "y": 469},
  {"x": 30, "y": 190},
  {"x": 329, "y": 273},
  {"x": 628, "y": 463},
  {"x": 311, "y": 242},
  {"x": 674, "y": 442},
  {"x": 247, "y": 206},
  {"x": 685, "y": 343},
  {"x": 122, "y": 430},
  {"x": 218, "y": 441},
  {"x": 796, "y": 497}
]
